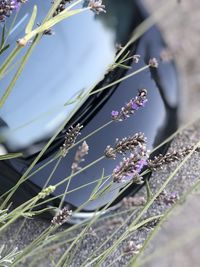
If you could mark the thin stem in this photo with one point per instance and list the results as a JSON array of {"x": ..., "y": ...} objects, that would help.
[
  {"x": 76, "y": 173},
  {"x": 52, "y": 173},
  {"x": 120, "y": 80},
  {"x": 69, "y": 192}
]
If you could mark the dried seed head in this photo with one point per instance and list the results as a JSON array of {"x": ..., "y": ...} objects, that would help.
[
  {"x": 167, "y": 198},
  {"x": 153, "y": 62},
  {"x": 131, "y": 143},
  {"x": 113, "y": 223},
  {"x": 133, "y": 105},
  {"x": 166, "y": 55},
  {"x": 70, "y": 138},
  {"x": 61, "y": 6},
  {"x": 129, "y": 202},
  {"x": 131, "y": 247},
  {"x": 159, "y": 161},
  {"x": 61, "y": 217},
  {"x": 97, "y": 6},
  {"x": 172, "y": 198},
  {"x": 79, "y": 156},
  {"x": 136, "y": 58},
  {"x": 110, "y": 152}
]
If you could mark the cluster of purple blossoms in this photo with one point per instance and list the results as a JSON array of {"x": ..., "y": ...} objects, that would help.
[
  {"x": 133, "y": 105},
  {"x": 8, "y": 6},
  {"x": 129, "y": 169}
]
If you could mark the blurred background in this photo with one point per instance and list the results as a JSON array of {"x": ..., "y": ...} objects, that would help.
[
  {"x": 181, "y": 29},
  {"x": 179, "y": 236}
]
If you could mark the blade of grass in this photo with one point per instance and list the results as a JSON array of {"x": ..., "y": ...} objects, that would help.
[
  {"x": 10, "y": 156},
  {"x": 31, "y": 22}
]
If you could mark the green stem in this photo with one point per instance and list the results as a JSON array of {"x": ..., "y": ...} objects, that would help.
[{"x": 53, "y": 171}]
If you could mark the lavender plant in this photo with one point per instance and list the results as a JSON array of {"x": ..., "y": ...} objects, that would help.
[
  {"x": 61, "y": 217},
  {"x": 132, "y": 106},
  {"x": 128, "y": 171}
]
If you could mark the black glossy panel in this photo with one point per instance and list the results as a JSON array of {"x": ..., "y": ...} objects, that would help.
[{"x": 157, "y": 120}]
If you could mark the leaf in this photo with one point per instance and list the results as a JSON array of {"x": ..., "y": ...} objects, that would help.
[
  {"x": 148, "y": 190},
  {"x": 102, "y": 191},
  {"x": 124, "y": 66},
  {"x": 4, "y": 49},
  {"x": 53, "y": 21},
  {"x": 94, "y": 191},
  {"x": 3, "y": 37},
  {"x": 77, "y": 97},
  {"x": 10, "y": 156},
  {"x": 31, "y": 22}
]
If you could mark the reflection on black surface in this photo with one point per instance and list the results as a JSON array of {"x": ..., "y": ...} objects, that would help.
[
  {"x": 61, "y": 67},
  {"x": 157, "y": 120}
]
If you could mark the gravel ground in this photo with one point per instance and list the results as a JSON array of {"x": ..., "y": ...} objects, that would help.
[{"x": 179, "y": 31}]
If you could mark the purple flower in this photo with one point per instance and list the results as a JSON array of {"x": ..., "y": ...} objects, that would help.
[
  {"x": 143, "y": 103},
  {"x": 129, "y": 169},
  {"x": 16, "y": 4},
  {"x": 140, "y": 164},
  {"x": 114, "y": 114},
  {"x": 133, "y": 105}
]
